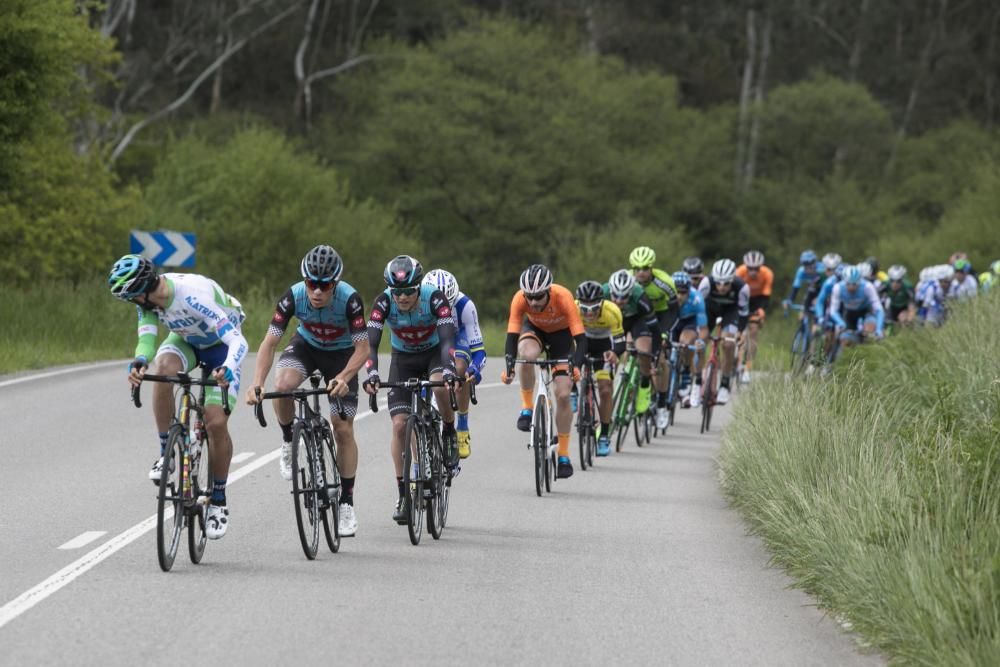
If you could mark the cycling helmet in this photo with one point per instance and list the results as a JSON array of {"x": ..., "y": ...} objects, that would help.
[
  {"x": 873, "y": 263},
  {"x": 963, "y": 265},
  {"x": 866, "y": 270},
  {"x": 987, "y": 280},
  {"x": 724, "y": 271},
  {"x": 682, "y": 280},
  {"x": 995, "y": 267},
  {"x": 897, "y": 272},
  {"x": 947, "y": 272},
  {"x": 925, "y": 274},
  {"x": 535, "y": 279},
  {"x": 322, "y": 263},
  {"x": 444, "y": 281},
  {"x": 642, "y": 256},
  {"x": 403, "y": 271},
  {"x": 839, "y": 271},
  {"x": 590, "y": 291},
  {"x": 832, "y": 260},
  {"x": 807, "y": 257},
  {"x": 131, "y": 276},
  {"x": 852, "y": 275},
  {"x": 754, "y": 259},
  {"x": 620, "y": 284},
  {"x": 693, "y": 266}
]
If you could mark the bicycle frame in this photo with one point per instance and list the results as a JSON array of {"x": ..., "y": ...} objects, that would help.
[{"x": 545, "y": 446}]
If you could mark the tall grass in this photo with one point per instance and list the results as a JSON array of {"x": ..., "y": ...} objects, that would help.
[{"x": 879, "y": 489}]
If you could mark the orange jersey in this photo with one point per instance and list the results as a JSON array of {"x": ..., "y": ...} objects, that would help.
[
  {"x": 759, "y": 285},
  {"x": 559, "y": 313}
]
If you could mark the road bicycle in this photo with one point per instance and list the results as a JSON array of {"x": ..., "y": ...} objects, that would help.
[
  {"x": 623, "y": 414},
  {"x": 803, "y": 342},
  {"x": 185, "y": 487},
  {"x": 544, "y": 443},
  {"x": 426, "y": 476},
  {"x": 316, "y": 481},
  {"x": 587, "y": 417},
  {"x": 710, "y": 382},
  {"x": 674, "y": 385}
]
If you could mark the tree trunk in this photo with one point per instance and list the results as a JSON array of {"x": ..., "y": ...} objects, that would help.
[
  {"x": 991, "y": 72},
  {"x": 853, "y": 65},
  {"x": 745, "y": 91},
  {"x": 302, "y": 94},
  {"x": 758, "y": 105}
]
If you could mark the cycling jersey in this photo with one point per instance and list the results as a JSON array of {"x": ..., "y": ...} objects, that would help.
[
  {"x": 199, "y": 312},
  {"x": 822, "y": 302},
  {"x": 607, "y": 324},
  {"x": 693, "y": 311},
  {"x": 733, "y": 306},
  {"x": 806, "y": 279},
  {"x": 429, "y": 324},
  {"x": 963, "y": 288},
  {"x": 336, "y": 326},
  {"x": 901, "y": 298},
  {"x": 469, "y": 338},
  {"x": 638, "y": 303},
  {"x": 761, "y": 284},
  {"x": 862, "y": 300},
  {"x": 559, "y": 313},
  {"x": 661, "y": 290}
]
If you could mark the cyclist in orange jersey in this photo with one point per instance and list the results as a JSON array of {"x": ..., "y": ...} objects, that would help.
[
  {"x": 544, "y": 316},
  {"x": 761, "y": 280}
]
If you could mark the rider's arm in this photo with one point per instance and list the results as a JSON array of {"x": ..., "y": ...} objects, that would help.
[
  {"x": 876, "y": 306},
  {"x": 376, "y": 322},
  {"x": 796, "y": 284},
  {"x": 514, "y": 321},
  {"x": 743, "y": 306},
  {"x": 283, "y": 314},
  {"x": 445, "y": 328},
  {"x": 355, "y": 313},
  {"x": 835, "y": 307},
  {"x": 474, "y": 337},
  {"x": 148, "y": 328}
]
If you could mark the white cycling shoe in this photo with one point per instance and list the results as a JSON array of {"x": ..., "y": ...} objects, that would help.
[
  {"x": 348, "y": 524},
  {"x": 695, "y": 397},
  {"x": 285, "y": 461},
  {"x": 662, "y": 418},
  {"x": 723, "y": 396},
  {"x": 216, "y": 521}
]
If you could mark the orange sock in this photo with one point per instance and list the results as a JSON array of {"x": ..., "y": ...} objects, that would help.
[
  {"x": 564, "y": 444},
  {"x": 526, "y": 396}
]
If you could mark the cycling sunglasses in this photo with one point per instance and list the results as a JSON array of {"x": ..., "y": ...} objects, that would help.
[
  {"x": 321, "y": 285},
  {"x": 648, "y": 267},
  {"x": 404, "y": 291},
  {"x": 590, "y": 308},
  {"x": 540, "y": 296}
]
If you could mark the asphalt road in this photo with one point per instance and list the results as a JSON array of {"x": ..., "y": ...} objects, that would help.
[{"x": 639, "y": 561}]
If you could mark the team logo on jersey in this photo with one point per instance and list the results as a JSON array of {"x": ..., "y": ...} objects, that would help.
[
  {"x": 324, "y": 332},
  {"x": 414, "y": 335},
  {"x": 377, "y": 315},
  {"x": 278, "y": 317},
  {"x": 358, "y": 323},
  {"x": 444, "y": 311}
]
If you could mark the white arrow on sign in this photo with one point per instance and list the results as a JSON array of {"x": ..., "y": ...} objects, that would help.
[
  {"x": 183, "y": 249},
  {"x": 150, "y": 248}
]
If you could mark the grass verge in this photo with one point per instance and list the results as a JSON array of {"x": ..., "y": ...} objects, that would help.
[{"x": 878, "y": 490}]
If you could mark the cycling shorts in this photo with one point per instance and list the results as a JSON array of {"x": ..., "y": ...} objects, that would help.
[{"x": 305, "y": 358}]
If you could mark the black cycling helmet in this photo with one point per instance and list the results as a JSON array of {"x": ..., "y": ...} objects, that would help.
[
  {"x": 590, "y": 291},
  {"x": 535, "y": 279},
  {"x": 323, "y": 264},
  {"x": 403, "y": 271},
  {"x": 132, "y": 276},
  {"x": 872, "y": 262},
  {"x": 693, "y": 266}
]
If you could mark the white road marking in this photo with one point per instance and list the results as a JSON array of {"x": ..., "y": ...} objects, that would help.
[
  {"x": 64, "y": 371},
  {"x": 243, "y": 456},
  {"x": 88, "y": 561},
  {"x": 83, "y": 539}
]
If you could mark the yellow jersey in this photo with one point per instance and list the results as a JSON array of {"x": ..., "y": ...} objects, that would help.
[{"x": 607, "y": 324}]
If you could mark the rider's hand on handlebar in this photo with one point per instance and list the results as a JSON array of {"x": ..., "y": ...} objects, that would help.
[
  {"x": 507, "y": 376},
  {"x": 576, "y": 374},
  {"x": 253, "y": 395},
  {"x": 372, "y": 383},
  {"x": 337, "y": 388},
  {"x": 136, "y": 370},
  {"x": 223, "y": 376},
  {"x": 611, "y": 357}
]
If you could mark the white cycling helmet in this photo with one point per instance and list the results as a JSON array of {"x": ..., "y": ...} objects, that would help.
[
  {"x": 536, "y": 279},
  {"x": 832, "y": 260},
  {"x": 754, "y": 259},
  {"x": 947, "y": 272},
  {"x": 724, "y": 271},
  {"x": 621, "y": 283},
  {"x": 866, "y": 270},
  {"x": 897, "y": 272},
  {"x": 444, "y": 281}
]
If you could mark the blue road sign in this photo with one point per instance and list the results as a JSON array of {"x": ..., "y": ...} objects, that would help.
[{"x": 164, "y": 248}]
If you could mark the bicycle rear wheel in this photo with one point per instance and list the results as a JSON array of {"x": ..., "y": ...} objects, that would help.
[
  {"x": 307, "y": 514},
  {"x": 623, "y": 413},
  {"x": 197, "y": 538},
  {"x": 437, "y": 510},
  {"x": 798, "y": 351},
  {"x": 414, "y": 485},
  {"x": 331, "y": 475},
  {"x": 539, "y": 443},
  {"x": 169, "y": 500},
  {"x": 584, "y": 421},
  {"x": 708, "y": 398}
]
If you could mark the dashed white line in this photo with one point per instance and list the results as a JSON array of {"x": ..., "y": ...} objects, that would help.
[
  {"x": 83, "y": 539},
  {"x": 242, "y": 456}
]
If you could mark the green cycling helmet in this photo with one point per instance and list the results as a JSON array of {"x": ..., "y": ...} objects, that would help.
[
  {"x": 641, "y": 257},
  {"x": 995, "y": 267},
  {"x": 132, "y": 276}
]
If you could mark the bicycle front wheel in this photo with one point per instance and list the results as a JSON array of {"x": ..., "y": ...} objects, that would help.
[
  {"x": 539, "y": 443},
  {"x": 307, "y": 514},
  {"x": 710, "y": 379},
  {"x": 413, "y": 480},
  {"x": 200, "y": 476},
  {"x": 584, "y": 422},
  {"x": 437, "y": 511},
  {"x": 169, "y": 499},
  {"x": 327, "y": 452}
]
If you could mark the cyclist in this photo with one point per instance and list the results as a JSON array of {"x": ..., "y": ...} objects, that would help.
[
  {"x": 694, "y": 268},
  {"x": 330, "y": 337},
  {"x": 991, "y": 278},
  {"x": 728, "y": 297},
  {"x": 470, "y": 351},
  {"x": 760, "y": 278},
  {"x": 422, "y": 333},
  {"x": 544, "y": 316},
  {"x": 899, "y": 297},
  {"x": 659, "y": 287},
  {"x": 819, "y": 298},
  {"x": 602, "y": 324},
  {"x": 691, "y": 328},
  {"x": 930, "y": 296},
  {"x": 965, "y": 284},
  {"x": 204, "y": 324},
  {"x": 855, "y": 302},
  {"x": 641, "y": 324},
  {"x": 878, "y": 278},
  {"x": 805, "y": 276}
]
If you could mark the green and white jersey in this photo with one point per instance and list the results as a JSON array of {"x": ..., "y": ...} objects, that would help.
[
  {"x": 201, "y": 313},
  {"x": 661, "y": 290}
]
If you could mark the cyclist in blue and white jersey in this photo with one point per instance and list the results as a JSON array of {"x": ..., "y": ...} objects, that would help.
[
  {"x": 854, "y": 305},
  {"x": 204, "y": 324},
  {"x": 470, "y": 351},
  {"x": 331, "y": 337},
  {"x": 965, "y": 285},
  {"x": 821, "y": 304},
  {"x": 691, "y": 328},
  {"x": 806, "y": 276},
  {"x": 930, "y": 296},
  {"x": 422, "y": 335}
]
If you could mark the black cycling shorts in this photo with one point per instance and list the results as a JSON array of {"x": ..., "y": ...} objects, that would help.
[
  {"x": 636, "y": 326},
  {"x": 305, "y": 358},
  {"x": 406, "y": 365},
  {"x": 555, "y": 344}
]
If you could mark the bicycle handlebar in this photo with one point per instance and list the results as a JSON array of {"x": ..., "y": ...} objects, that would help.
[
  {"x": 417, "y": 383},
  {"x": 296, "y": 394},
  {"x": 184, "y": 380}
]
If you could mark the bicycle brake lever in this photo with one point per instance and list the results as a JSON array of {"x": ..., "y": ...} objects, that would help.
[
  {"x": 373, "y": 402},
  {"x": 258, "y": 410},
  {"x": 135, "y": 396}
]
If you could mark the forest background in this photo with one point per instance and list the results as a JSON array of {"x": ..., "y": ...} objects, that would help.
[{"x": 483, "y": 136}]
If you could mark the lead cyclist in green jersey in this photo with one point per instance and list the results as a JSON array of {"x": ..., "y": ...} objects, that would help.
[
  {"x": 662, "y": 293},
  {"x": 204, "y": 324}
]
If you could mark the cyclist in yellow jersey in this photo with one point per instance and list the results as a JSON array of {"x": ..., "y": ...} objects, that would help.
[{"x": 602, "y": 324}]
